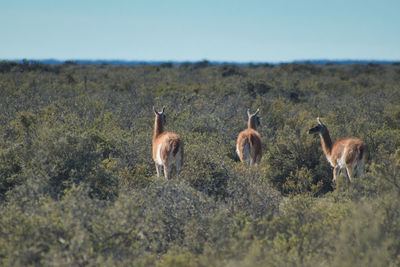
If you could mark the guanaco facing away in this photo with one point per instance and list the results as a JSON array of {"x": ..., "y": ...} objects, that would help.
[
  {"x": 248, "y": 145},
  {"x": 347, "y": 153},
  {"x": 167, "y": 147}
]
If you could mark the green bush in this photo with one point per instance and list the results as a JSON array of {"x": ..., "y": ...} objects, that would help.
[
  {"x": 10, "y": 169},
  {"x": 78, "y": 184}
]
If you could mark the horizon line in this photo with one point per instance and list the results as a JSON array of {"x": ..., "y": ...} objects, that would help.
[{"x": 55, "y": 61}]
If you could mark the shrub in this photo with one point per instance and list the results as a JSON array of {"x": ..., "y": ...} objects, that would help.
[
  {"x": 78, "y": 183},
  {"x": 10, "y": 170}
]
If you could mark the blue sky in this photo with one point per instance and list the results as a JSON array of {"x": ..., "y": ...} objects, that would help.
[{"x": 242, "y": 31}]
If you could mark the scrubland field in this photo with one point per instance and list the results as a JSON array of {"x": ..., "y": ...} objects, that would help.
[{"x": 78, "y": 185}]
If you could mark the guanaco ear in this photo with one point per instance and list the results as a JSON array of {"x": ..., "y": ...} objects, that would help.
[
  {"x": 248, "y": 113},
  {"x": 163, "y": 109},
  {"x": 319, "y": 121},
  {"x": 258, "y": 110},
  {"x": 155, "y": 111}
]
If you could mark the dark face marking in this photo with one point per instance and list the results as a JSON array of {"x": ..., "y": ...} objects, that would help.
[
  {"x": 319, "y": 129},
  {"x": 163, "y": 118},
  {"x": 257, "y": 120}
]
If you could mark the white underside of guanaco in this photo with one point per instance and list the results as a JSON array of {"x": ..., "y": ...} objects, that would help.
[{"x": 158, "y": 157}]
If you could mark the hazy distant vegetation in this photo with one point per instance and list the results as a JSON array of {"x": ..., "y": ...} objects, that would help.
[{"x": 78, "y": 184}]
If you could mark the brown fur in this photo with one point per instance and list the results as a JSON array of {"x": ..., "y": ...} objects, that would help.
[
  {"x": 248, "y": 143},
  {"x": 351, "y": 150},
  {"x": 171, "y": 147}
]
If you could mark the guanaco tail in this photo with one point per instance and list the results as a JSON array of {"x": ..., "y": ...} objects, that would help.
[
  {"x": 248, "y": 145},
  {"x": 167, "y": 147}
]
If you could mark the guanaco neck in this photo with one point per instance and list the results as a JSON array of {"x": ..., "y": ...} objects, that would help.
[
  {"x": 158, "y": 127},
  {"x": 251, "y": 124},
  {"x": 326, "y": 143}
]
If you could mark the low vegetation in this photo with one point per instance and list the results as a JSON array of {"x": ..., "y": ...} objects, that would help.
[{"x": 78, "y": 185}]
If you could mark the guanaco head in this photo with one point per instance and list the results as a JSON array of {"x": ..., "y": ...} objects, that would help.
[
  {"x": 160, "y": 115},
  {"x": 254, "y": 120},
  {"x": 319, "y": 129}
]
